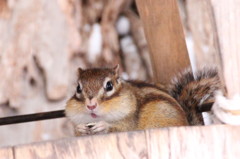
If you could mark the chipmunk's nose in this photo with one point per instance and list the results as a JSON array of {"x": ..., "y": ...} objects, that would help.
[
  {"x": 91, "y": 103},
  {"x": 91, "y": 107}
]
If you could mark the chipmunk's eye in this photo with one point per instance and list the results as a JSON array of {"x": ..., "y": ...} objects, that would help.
[
  {"x": 79, "y": 90},
  {"x": 109, "y": 86}
]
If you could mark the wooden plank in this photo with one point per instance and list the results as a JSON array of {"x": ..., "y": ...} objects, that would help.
[
  {"x": 195, "y": 143},
  {"x": 218, "y": 141},
  {"x": 165, "y": 37},
  {"x": 158, "y": 143},
  {"x": 228, "y": 28},
  {"x": 6, "y": 153},
  {"x": 43, "y": 150},
  {"x": 203, "y": 31},
  {"x": 207, "y": 142},
  {"x": 122, "y": 145}
]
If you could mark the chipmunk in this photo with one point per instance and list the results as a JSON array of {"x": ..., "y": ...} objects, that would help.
[{"x": 104, "y": 102}]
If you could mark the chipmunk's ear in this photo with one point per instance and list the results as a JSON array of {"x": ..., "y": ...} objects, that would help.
[
  {"x": 80, "y": 70},
  {"x": 116, "y": 69}
]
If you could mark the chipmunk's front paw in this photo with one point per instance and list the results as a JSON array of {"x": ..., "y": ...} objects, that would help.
[
  {"x": 81, "y": 129},
  {"x": 100, "y": 127}
]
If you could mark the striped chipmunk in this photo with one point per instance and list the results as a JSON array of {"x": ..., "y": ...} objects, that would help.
[{"x": 103, "y": 102}]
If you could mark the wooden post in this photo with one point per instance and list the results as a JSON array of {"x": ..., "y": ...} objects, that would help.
[
  {"x": 201, "y": 24},
  {"x": 165, "y": 37},
  {"x": 228, "y": 28}
]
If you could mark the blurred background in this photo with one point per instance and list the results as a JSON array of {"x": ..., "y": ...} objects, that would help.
[{"x": 42, "y": 43}]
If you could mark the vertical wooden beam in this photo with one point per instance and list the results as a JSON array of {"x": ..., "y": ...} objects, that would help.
[
  {"x": 200, "y": 19},
  {"x": 165, "y": 37},
  {"x": 228, "y": 28}
]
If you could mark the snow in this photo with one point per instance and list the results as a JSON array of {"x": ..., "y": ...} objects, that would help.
[
  {"x": 128, "y": 46},
  {"x": 132, "y": 57},
  {"x": 125, "y": 76},
  {"x": 123, "y": 25},
  {"x": 95, "y": 43},
  {"x": 191, "y": 53}
]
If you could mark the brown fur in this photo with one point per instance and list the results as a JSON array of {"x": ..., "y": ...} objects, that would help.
[
  {"x": 132, "y": 105},
  {"x": 191, "y": 92}
]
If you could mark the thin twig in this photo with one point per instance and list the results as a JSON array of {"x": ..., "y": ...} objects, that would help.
[
  {"x": 59, "y": 114},
  {"x": 32, "y": 117}
]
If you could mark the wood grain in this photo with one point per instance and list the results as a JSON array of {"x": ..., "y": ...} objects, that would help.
[
  {"x": 228, "y": 28},
  {"x": 155, "y": 149},
  {"x": 165, "y": 37},
  {"x": 187, "y": 142},
  {"x": 203, "y": 31},
  {"x": 122, "y": 145},
  {"x": 6, "y": 153},
  {"x": 218, "y": 141}
]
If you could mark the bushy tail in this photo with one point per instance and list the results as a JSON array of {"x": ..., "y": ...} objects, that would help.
[{"x": 193, "y": 91}]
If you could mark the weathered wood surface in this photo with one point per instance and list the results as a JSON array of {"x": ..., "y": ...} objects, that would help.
[
  {"x": 200, "y": 22},
  {"x": 6, "y": 153},
  {"x": 165, "y": 37},
  {"x": 228, "y": 29},
  {"x": 208, "y": 142}
]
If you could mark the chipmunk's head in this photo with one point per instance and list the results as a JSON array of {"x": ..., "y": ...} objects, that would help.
[
  {"x": 97, "y": 84},
  {"x": 97, "y": 96}
]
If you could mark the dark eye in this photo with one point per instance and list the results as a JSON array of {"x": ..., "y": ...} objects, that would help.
[
  {"x": 79, "y": 90},
  {"x": 109, "y": 86}
]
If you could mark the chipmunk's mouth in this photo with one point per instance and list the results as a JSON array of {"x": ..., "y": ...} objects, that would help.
[{"x": 93, "y": 115}]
